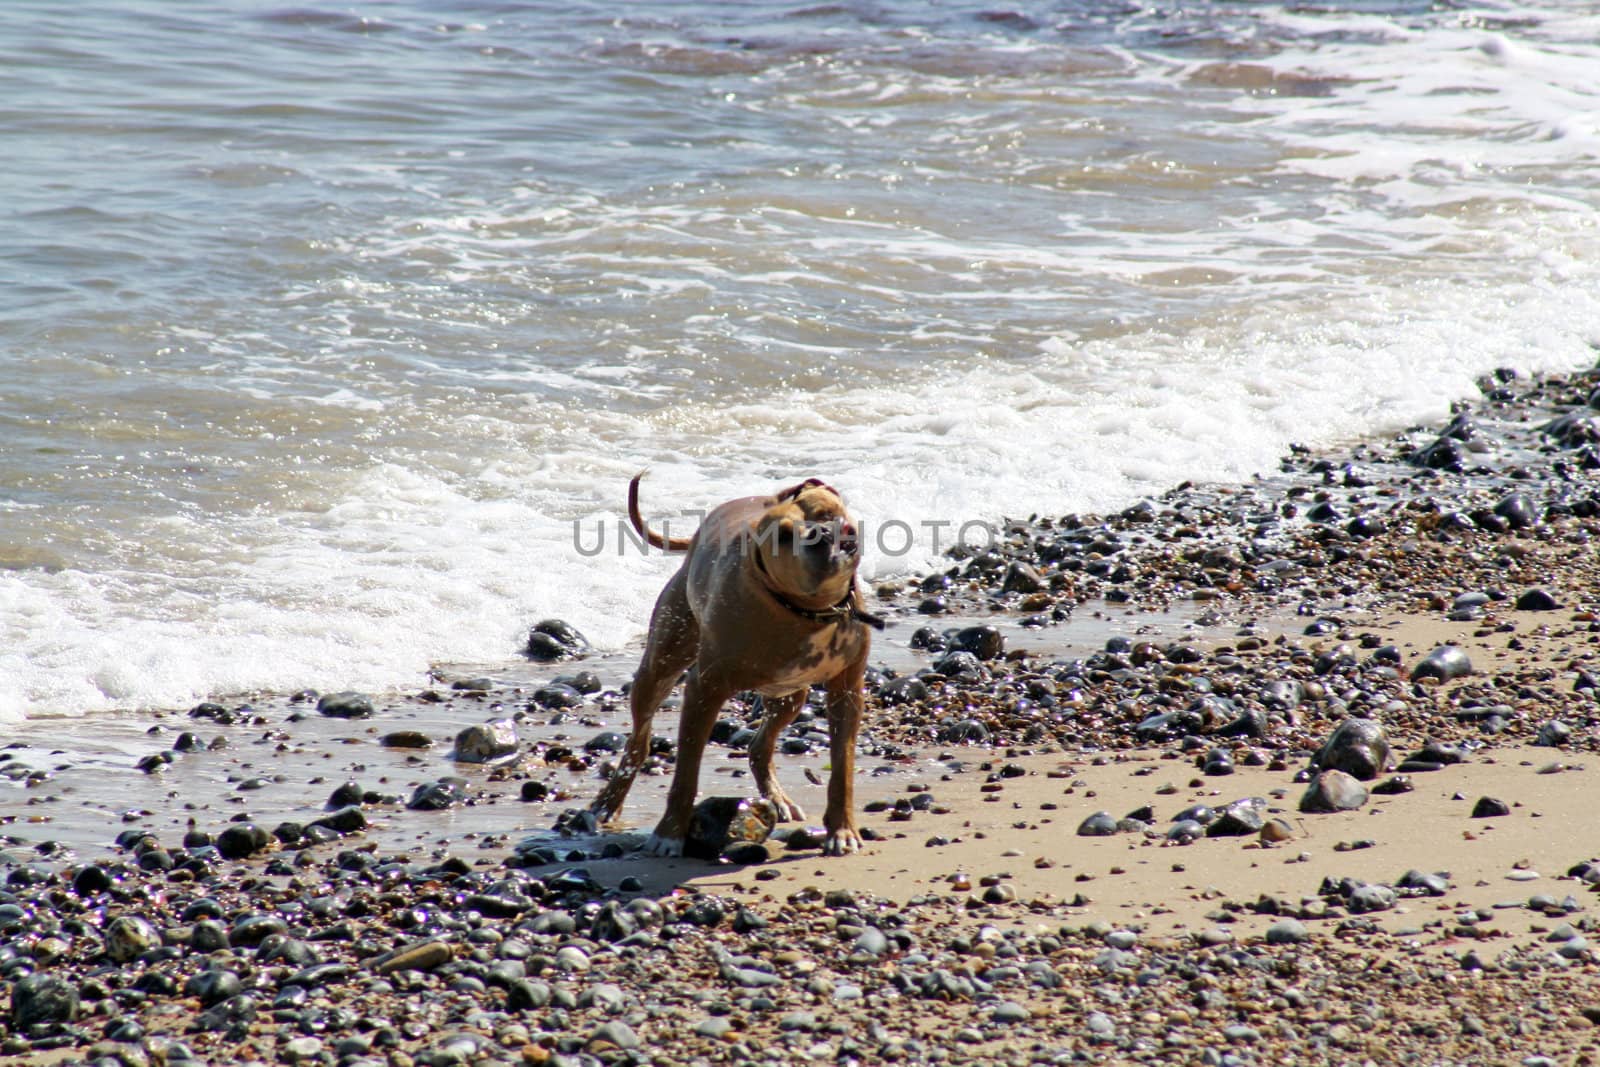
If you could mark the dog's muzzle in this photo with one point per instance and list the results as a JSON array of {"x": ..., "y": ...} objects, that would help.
[{"x": 838, "y": 539}]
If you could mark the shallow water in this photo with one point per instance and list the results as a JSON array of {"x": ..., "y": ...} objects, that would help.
[
  {"x": 281, "y": 761},
  {"x": 331, "y": 339}
]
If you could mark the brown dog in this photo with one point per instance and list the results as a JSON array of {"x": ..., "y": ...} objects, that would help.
[{"x": 767, "y": 601}]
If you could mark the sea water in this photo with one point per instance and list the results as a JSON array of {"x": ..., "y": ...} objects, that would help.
[{"x": 330, "y": 335}]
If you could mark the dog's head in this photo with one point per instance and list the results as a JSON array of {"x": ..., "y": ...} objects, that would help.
[{"x": 807, "y": 543}]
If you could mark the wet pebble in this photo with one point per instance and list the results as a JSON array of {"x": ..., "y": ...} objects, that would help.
[
  {"x": 488, "y": 741},
  {"x": 553, "y": 639},
  {"x": 346, "y": 705}
]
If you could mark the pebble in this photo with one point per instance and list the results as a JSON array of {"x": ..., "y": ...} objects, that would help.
[
  {"x": 1357, "y": 747},
  {"x": 1445, "y": 663},
  {"x": 346, "y": 705},
  {"x": 486, "y": 742},
  {"x": 1490, "y": 807},
  {"x": 1332, "y": 791},
  {"x": 1099, "y": 824}
]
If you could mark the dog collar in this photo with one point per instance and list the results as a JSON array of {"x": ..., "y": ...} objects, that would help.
[{"x": 846, "y": 609}]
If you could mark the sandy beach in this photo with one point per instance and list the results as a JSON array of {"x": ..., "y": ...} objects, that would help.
[{"x": 1195, "y": 652}]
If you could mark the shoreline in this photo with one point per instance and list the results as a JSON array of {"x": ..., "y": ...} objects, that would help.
[{"x": 1232, "y": 625}]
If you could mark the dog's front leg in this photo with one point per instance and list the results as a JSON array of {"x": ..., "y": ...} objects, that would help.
[
  {"x": 845, "y": 706},
  {"x": 701, "y": 702},
  {"x": 777, "y": 714}
]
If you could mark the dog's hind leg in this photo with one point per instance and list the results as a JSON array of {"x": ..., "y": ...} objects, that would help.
[
  {"x": 702, "y": 699},
  {"x": 845, "y": 706},
  {"x": 778, "y": 713},
  {"x": 673, "y": 642}
]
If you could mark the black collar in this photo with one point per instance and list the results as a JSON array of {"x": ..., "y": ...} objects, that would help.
[{"x": 846, "y": 609}]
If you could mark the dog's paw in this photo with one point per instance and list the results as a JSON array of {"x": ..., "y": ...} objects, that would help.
[
  {"x": 788, "y": 810},
  {"x": 842, "y": 842},
  {"x": 656, "y": 845}
]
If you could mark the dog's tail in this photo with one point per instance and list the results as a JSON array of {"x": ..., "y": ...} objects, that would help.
[{"x": 666, "y": 544}]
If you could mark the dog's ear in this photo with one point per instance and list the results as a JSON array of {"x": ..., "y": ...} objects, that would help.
[{"x": 810, "y": 483}]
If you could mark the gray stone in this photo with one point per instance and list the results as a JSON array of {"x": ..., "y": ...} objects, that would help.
[
  {"x": 615, "y": 1033},
  {"x": 1445, "y": 663},
  {"x": 346, "y": 705},
  {"x": 43, "y": 998},
  {"x": 1333, "y": 791},
  {"x": 487, "y": 742},
  {"x": 1100, "y": 824},
  {"x": 129, "y": 937},
  {"x": 1357, "y": 747}
]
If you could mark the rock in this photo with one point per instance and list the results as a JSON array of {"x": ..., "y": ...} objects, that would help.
[
  {"x": 91, "y": 879},
  {"x": 347, "y": 820},
  {"x": 43, "y": 998},
  {"x": 1358, "y": 747},
  {"x": 1519, "y": 512},
  {"x": 608, "y": 741},
  {"x": 300, "y": 1049},
  {"x": 417, "y": 956},
  {"x": 1288, "y": 932},
  {"x": 553, "y": 639},
  {"x": 1444, "y": 454},
  {"x": 405, "y": 739},
  {"x": 718, "y": 822},
  {"x": 1242, "y": 817},
  {"x": 1489, "y": 808},
  {"x": 985, "y": 642},
  {"x": 1100, "y": 824},
  {"x": 1217, "y": 762},
  {"x": 129, "y": 936},
  {"x": 557, "y": 696},
  {"x": 585, "y": 682},
  {"x": 1276, "y": 831},
  {"x": 487, "y": 742},
  {"x": 962, "y": 731},
  {"x": 1021, "y": 578},
  {"x": 1553, "y": 734},
  {"x": 614, "y": 1034},
  {"x": 1537, "y": 600},
  {"x": 1432, "y": 885},
  {"x": 1445, "y": 663},
  {"x": 960, "y": 664},
  {"x": 748, "y": 853},
  {"x": 436, "y": 796},
  {"x": 1367, "y": 898},
  {"x": 255, "y": 929},
  {"x": 905, "y": 690},
  {"x": 1332, "y": 791},
  {"x": 242, "y": 839},
  {"x": 525, "y": 994},
  {"x": 213, "y": 986},
  {"x": 346, "y": 705}
]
